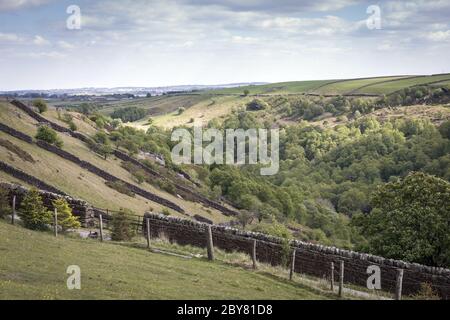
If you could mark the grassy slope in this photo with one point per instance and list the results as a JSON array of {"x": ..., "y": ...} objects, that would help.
[
  {"x": 345, "y": 87},
  {"x": 33, "y": 266},
  {"x": 157, "y": 105},
  {"x": 204, "y": 111},
  {"x": 390, "y": 87},
  {"x": 293, "y": 87},
  {"x": 78, "y": 182}
]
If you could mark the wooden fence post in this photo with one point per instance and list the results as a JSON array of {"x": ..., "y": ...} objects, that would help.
[
  {"x": 341, "y": 278},
  {"x": 332, "y": 277},
  {"x": 254, "y": 255},
  {"x": 209, "y": 243},
  {"x": 13, "y": 214},
  {"x": 138, "y": 224},
  {"x": 291, "y": 273},
  {"x": 101, "y": 226},
  {"x": 398, "y": 288},
  {"x": 55, "y": 222},
  {"x": 147, "y": 223}
]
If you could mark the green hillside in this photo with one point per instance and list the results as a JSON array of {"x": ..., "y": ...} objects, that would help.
[
  {"x": 348, "y": 86},
  {"x": 390, "y": 87},
  {"x": 293, "y": 87},
  {"x": 33, "y": 266}
]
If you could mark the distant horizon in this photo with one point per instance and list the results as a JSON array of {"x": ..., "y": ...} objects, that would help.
[{"x": 236, "y": 84}]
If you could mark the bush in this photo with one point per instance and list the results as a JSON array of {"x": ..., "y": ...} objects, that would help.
[
  {"x": 33, "y": 213},
  {"x": 66, "y": 220},
  {"x": 41, "y": 105},
  {"x": 257, "y": 105},
  {"x": 122, "y": 226},
  {"x": 120, "y": 187},
  {"x": 165, "y": 212},
  {"x": 73, "y": 126},
  {"x": 426, "y": 292},
  {"x": 129, "y": 114},
  {"x": 49, "y": 135},
  {"x": 181, "y": 110},
  {"x": 5, "y": 208}
]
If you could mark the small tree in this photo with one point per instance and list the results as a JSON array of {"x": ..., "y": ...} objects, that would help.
[
  {"x": 4, "y": 203},
  {"x": 65, "y": 217},
  {"x": 122, "y": 229},
  {"x": 245, "y": 217},
  {"x": 105, "y": 150},
  {"x": 41, "y": 105},
  {"x": 181, "y": 110},
  {"x": 34, "y": 214},
  {"x": 49, "y": 135},
  {"x": 246, "y": 92}
]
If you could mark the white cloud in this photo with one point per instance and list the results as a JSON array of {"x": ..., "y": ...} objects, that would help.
[
  {"x": 40, "y": 41},
  {"x": 46, "y": 54},
  {"x": 10, "y": 37},
  {"x": 438, "y": 35},
  {"x": 6, "y": 5},
  {"x": 65, "y": 45}
]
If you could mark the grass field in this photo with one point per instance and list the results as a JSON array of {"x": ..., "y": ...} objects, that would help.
[
  {"x": 348, "y": 86},
  {"x": 157, "y": 105},
  {"x": 390, "y": 87},
  {"x": 33, "y": 266},
  {"x": 294, "y": 87}
]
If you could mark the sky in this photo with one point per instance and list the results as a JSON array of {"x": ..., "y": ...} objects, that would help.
[{"x": 151, "y": 43}]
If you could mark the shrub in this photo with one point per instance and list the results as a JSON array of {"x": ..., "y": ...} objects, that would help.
[
  {"x": 165, "y": 212},
  {"x": 426, "y": 292},
  {"x": 4, "y": 203},
  {"x": 129, "y": 114},
  {"x": 33, "y": 213},
  {"x": 120, "y": 187},
  {"x": 122, "y": 226},
  {"x": 257, "y": 105},
  {"x": 181, "y": 110},
  {"x": 49, "y": 135},
  {"x": 66, "y": 220},
  {"x": 73, "y": 126},
  {"x": 41, "y": 105}
]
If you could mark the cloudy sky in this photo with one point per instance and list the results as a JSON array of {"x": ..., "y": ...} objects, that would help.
[{"x": 172, "y": 42}]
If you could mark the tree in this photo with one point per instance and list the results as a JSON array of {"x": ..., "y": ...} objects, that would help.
[
  {"x": 245, "y": 217},
  {"x": 4, "y": 203},
  {"x": 444, "y": 129},
  {"x": 49, "y": 135},
  {"x": 410, "y": 220},
  {"x": 246, "y": 92},
  {"x": 41, "y": 105},
  {"x": 33, "y": 213},
  {"x": 66, "y": 220},
  {"x": 181, "y": 110},
  {"x": 122, "y": 229}
]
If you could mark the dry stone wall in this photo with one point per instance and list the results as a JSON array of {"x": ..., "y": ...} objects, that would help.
[
  {"x": 79, "y": 207},
  {"x": 311, "y": 259}
]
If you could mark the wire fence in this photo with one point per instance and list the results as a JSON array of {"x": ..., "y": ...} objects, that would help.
[{"x": 306, "y": 260}]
